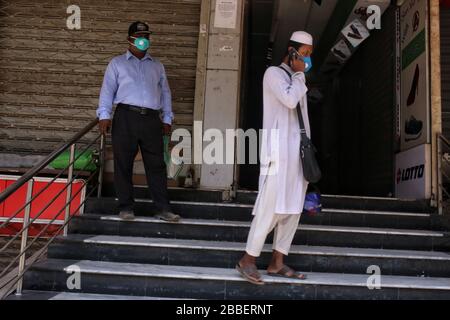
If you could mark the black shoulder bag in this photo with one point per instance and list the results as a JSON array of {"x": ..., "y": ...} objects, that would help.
[{"x": 311, "y": 169}]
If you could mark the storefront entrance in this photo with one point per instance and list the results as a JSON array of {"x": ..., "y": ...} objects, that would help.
[{"x": 352, "y": 111}]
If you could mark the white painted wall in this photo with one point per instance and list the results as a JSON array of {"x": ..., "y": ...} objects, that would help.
[{"x": 222, "y": 92}]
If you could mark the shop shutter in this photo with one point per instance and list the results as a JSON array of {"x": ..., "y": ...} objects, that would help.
[
  {"x": 50, "y": 76},
  {"x": 378, "y": 115},
  {"x": 366, "y": 115}
]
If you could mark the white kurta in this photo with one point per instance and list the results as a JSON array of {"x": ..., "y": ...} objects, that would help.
[{"x": 281, "y": 96}]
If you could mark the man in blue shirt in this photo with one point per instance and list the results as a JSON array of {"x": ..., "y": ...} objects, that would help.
[{"x": 137, "y": 84}]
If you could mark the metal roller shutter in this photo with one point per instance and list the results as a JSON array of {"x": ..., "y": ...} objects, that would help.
[
  {"x": 50, "y": 76},
  {"x": 366, "y": 115},
  {"x": 379, "y": 109},
  {"x": 445, "y": 62}
]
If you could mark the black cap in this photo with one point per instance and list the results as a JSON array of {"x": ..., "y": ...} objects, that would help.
[{"x": 138, "y": 26}]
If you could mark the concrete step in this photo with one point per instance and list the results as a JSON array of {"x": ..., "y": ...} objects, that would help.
[
  {"x": 356, "y": 202},
  {"x": 243, "y": 212},
  {"x": 237, "y": 231},
  {"x": 249, "y": 197},
  {"x": 220, "y": 283},
  {"x": 175, "y": 193},
  {"x": 225, "y": 255}
]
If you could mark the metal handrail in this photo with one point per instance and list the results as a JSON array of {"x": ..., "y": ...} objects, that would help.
[
  {"x": 442, "y": 190},
  {"x": 28, "y": 177},
  {"x": 28, "y": 246},
  {"x": 42, "y": 210},
  {"x": 45, "y": 162},
  {"x": 16, "y": 213},
  {"x": 39, "y": 253}
]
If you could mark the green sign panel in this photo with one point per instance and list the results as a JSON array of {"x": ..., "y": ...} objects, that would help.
[{"x": 414, "y": 50}]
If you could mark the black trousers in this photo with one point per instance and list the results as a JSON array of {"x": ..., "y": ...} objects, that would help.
[{"x": 130, "y": 131}]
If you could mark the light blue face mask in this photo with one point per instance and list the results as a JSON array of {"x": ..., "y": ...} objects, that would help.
[
  {"x": 306, "y": 60},
  {"x": 308, "y": 63},
  {"x": 141, "y": 43}
]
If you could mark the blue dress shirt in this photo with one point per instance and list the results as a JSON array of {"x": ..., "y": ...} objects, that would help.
[{"x": 141, "y": 83}]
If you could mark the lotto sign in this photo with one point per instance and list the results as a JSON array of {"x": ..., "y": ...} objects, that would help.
[{"x": 413, "y": 174}]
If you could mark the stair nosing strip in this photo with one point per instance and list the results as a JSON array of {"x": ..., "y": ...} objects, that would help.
[
  {"x": 183, "y": 189},
  {"x": 221, "y": 274},
  {"x": 366, "y": 198},
  {"x": 377, "y": 212},
  {"x": 304, "y": 227},
  {"x": 255, "y": 192},
  {"x": 250, "y": 206},
  {"x": 295, "y": 249}
]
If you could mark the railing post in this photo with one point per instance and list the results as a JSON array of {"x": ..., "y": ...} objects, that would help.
[
  {"x": 23, "y": 245},
  {"x": 69, "y": 188},
  {"x": 102, "y": 163},
  {"x": 440, "y": 186}
]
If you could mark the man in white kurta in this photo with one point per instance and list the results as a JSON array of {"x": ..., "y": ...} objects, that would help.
[{"x": 282, "y": 186}]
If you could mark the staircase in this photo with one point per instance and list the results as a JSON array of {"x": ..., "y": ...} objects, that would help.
[{"x": 194, "y": 259}]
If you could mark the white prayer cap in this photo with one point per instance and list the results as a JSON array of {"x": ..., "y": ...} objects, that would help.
[{"x": 302, "y": 37}]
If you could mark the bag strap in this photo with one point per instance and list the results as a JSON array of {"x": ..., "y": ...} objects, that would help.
[{"x": 299, "y": 111}]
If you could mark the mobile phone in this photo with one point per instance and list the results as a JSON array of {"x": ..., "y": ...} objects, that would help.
[{"x": 292, "y": 54}]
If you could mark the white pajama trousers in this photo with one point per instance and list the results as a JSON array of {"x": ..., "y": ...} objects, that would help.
[{"x": 265, "y": 220}]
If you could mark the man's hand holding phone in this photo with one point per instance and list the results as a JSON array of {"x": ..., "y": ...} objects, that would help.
[{"x": 297, "y": 63}]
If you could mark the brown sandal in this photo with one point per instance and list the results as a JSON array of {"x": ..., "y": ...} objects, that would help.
[
  {"x": 287, "y": 272},
  {"x": 251, "y": 274}
]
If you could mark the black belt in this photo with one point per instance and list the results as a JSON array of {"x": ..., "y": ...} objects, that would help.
[{"x": 140, "y": 110}]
